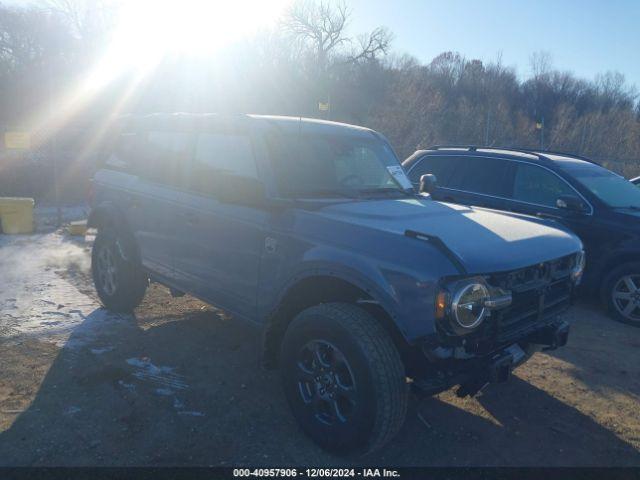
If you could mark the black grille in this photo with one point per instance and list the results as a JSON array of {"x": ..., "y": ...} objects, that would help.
[{"x": 539, "y": 292}]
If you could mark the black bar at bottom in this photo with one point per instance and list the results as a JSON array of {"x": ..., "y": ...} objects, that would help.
[{"x": 406, "y": 473}]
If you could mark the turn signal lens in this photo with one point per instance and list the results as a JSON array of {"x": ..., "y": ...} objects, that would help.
[
  {"x": 578, "y": 267},
  {"x": 441, "y": 304}
]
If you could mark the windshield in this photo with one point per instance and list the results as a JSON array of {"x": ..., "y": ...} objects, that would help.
[
  {"x": 612, "y": 189},
  {"x": 315, "y": 165}
]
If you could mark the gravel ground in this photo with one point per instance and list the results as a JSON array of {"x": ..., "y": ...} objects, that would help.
[{"x": 179, "y": 383}]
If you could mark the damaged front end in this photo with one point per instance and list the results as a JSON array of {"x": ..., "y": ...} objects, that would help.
[{"x": 487, "y": 325}]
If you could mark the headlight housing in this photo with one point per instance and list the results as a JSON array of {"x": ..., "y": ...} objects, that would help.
[
  {"x": 464, "y": 304},
  {"x": 468, "y": 304}
]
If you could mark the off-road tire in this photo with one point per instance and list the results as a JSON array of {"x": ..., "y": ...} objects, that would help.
[
  {"x": 381, "y": 388},
  {"x": 608, "y": 290},
  {"x": 130, "y": 280}
]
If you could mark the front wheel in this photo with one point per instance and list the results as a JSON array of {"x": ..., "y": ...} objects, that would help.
[
  {"x": 622, "y": 293},
  {"x": 343, "y": 378},
  {"x": 118, "y": 277}
]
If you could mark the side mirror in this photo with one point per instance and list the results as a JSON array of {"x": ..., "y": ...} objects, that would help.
[
  {"x": 571, "y": 203},
  {"x": 428, "y": 183}
]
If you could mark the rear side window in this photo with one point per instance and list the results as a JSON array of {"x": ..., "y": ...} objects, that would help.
[
  {"x": 488, "y": 176},
  {"x": 123, "y": 153},
  {"x": 164, "y": 157},
  {"x": 442, "y": 167},
  {"x": 218, "y": 155},
  {"x": 534, "y": 184}
]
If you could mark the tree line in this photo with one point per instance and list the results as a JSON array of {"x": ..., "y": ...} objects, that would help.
[{"x": 308, "y": 58}]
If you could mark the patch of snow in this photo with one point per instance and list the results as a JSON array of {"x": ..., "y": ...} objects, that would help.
[
  {"x": 161, "y": 375},
  {"x": 191, "y": 413},
  {"x": 129, "y": 386},
  {"x": 72, "y": 410},
  {"x": 101, "y": 350},
  {"x": 167, "y": 392},
  {"x": 37, "y": 302}
]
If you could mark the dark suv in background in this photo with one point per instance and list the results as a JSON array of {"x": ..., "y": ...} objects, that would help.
[{"x": 601, "y": 207}]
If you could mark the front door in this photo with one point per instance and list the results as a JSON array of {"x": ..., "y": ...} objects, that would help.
[
  {"x": 535, "y": 192},
  {"x": 220, "y": 244}
]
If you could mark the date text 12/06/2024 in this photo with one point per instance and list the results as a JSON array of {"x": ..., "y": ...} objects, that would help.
[{"x": 317, "y": 472}]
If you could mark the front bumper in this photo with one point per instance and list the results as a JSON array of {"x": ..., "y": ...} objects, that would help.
[{"x": 452, "y": 367}]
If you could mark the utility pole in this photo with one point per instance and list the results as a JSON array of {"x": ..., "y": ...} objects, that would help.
[
  {"x": 542, "y": 134},
  {"x": 52, "y": 148},
  {"x": 486, "y": 129}
]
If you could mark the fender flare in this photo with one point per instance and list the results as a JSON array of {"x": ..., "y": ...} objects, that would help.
[{"x": 383, "y": 296}]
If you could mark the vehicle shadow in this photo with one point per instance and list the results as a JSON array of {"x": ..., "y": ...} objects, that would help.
[
  {"x": 188, "y": 390},
  {"x": 602, "y": 352}
]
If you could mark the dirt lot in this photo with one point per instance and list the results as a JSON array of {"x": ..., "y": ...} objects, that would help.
[{"x": 179, "y": 383}]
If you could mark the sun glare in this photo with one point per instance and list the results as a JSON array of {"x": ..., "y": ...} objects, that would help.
[
  {"x": 146, "y": 32},
  {"x": 149, "y": 30}
]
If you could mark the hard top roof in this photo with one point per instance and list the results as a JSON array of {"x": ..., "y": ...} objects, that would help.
[{"x": 202, "y": 120}]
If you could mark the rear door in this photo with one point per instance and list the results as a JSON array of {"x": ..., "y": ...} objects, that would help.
[
  {"x": 469, "y": 180},
  {"x": 221, "y": 243},
  {"x": 151, "y": 203}
]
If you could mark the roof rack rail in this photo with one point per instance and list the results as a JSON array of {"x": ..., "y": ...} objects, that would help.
[
  {"x": 566, "y": 154},
  {"x": 471, "y": 148},
  {"x": 540, "y": 154},
  {"x": 474, "y": 148}
]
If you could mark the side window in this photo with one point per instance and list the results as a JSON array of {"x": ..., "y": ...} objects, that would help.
[
  {"x": 488, "y": 176},
  {"x": 123, "y": 153},
  {"x": 534, "y": 184},
  {"x": 164, "y": 157},
  {"x": 442, "y": 167},
  {"x": 218, "y": 155}
]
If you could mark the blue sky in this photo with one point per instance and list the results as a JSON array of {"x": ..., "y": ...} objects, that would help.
[{"x": 585, "y": 37}]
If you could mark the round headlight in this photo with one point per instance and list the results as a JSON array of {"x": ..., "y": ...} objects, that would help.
[{"x": 468, "y": 305}]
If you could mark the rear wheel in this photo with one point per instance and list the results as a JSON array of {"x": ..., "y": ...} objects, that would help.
[
  {"x": 622, "y": 293},
  {"x": 343, "y": 378},
  {"x": 118, "y": 277}
]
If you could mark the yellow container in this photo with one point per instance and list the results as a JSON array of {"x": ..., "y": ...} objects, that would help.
[
  {"x": 16, "y": 215},
  {"x": 77, "y": 228}
]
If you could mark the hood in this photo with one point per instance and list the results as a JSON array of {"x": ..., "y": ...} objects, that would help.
[{"x": 486, "y": 241}]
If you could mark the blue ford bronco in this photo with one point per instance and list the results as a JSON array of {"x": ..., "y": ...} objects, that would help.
[{"x": 364, "y": 288}]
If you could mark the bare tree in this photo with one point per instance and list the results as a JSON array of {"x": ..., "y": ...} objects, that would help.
[
  {"x": 373, "y": 45},
  {"x": 320, "y": 25},
  {"x": 541, "y": 64}
]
